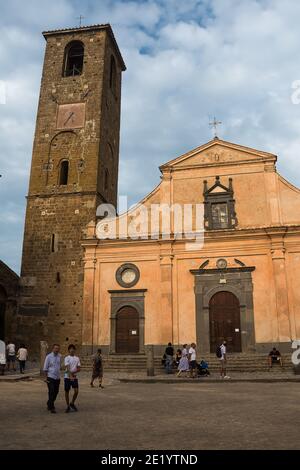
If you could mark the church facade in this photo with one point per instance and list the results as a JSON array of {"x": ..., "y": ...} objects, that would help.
[
  {"x": 241, "y": 283},
  {"x": 233, "y": 272}
]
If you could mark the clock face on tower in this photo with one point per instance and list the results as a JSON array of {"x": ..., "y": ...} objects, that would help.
[{"x": 70, "y": 116}]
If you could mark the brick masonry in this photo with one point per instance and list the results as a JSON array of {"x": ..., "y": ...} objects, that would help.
[{"x": 56, "y": 218}]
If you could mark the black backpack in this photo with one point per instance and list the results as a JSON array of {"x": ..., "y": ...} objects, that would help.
[{"x": 219, "y": 352}]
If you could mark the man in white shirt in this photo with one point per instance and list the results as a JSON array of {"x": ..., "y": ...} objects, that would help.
[
  {"x": 11, "y": 355},
  {"x": 192, "y": 360},
  {"x": 22, "y": 356},
  {"x": 223, "y": 361},
  {"x": 52, "y": 372},
  {"x": 2, "y": 357},
  {"x": 72, "y": 367}
]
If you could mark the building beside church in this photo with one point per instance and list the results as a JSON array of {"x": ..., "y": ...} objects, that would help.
[
  {"x": 239, "y": 279},
  {"x": 9, "y": 289}
]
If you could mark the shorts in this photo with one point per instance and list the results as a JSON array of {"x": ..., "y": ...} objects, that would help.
[
  {"x": 193, "y": 365},
  {"x": 97, "y": 374},
  {"x": 11, "y": 358},
  {"x": 70, "y": 383},
  {"x": 275, "y": 359}
]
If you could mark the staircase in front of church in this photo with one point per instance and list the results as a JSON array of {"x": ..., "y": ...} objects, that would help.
[{"x": 235, "y": 363}]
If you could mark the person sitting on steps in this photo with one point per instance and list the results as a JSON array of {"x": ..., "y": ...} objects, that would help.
[{"x": 274, "y": 358}]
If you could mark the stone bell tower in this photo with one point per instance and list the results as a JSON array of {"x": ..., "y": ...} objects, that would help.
[{"x": 74, "y": 168}]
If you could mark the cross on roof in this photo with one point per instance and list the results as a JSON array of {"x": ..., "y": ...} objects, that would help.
[
  {"x": 215, "y": 123},
  {"x": 80, "y": 18}
]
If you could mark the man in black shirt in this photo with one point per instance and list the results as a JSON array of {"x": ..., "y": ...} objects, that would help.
[
  {"x": 169, "y": 352},
  {"x": 274, "y": 357}
]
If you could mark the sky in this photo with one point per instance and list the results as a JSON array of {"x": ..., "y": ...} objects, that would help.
[{"x": 187, "y": 61}]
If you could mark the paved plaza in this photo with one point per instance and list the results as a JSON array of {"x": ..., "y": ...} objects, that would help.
[{"x": 193, "y": 415}]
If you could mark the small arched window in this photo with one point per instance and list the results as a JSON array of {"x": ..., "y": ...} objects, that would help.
[
  {"x": 64, "y": 173},
  {"x": 106, "y": 179},
  {"x": 74, "y": 54},
  {"x": 113, "y": 74}
]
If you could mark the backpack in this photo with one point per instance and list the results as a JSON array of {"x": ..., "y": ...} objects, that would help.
[{"x": 219, "y": 352}]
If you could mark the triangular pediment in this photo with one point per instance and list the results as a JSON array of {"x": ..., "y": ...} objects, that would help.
[
  {"x": 218, "y": 189},
  {"x": 218, "y": 152}
]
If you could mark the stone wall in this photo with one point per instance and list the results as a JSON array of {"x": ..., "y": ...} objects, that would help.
[
  {"x": 9, "y": 286},
  {"x": 52, "y": 268}
]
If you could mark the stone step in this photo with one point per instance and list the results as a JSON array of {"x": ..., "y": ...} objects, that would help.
[
  {"x": 236, "y": 362},
  {"x": 212, "y": 368},
  {"x": 138, "y": 361}
]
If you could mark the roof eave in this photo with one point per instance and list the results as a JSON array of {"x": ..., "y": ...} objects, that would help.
[{"x": 210, "y": 143}]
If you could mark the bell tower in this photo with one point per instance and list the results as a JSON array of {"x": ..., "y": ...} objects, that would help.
[{"x": 74, "y": 169}]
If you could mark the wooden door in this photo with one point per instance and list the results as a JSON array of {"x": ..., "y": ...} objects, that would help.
[
  {"x": 127, "y": 331},
  {"x": 225, "y": 322}
]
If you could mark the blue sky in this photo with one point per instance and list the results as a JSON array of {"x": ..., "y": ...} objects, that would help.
[{"x": 186, "y": 61}]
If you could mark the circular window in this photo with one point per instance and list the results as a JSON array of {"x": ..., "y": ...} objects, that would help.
[
  {"x": 221, "y": 263},
  {"x": 127, "y": 275}
]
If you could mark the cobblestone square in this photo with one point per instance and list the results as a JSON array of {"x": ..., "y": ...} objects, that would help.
[{"x": 191, "y": 415}]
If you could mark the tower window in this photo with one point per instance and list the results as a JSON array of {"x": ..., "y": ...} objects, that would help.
[
  {"x": 64, "y": 173},
  {"x": 54, "y": 243},
  {"x": 113, "y": 74},
  {"x": 73, "y": 63}
]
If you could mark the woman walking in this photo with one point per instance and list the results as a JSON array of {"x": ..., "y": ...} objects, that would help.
[
  {"x": 184, "y": 361},
  {"x": 97, "y": 369}
]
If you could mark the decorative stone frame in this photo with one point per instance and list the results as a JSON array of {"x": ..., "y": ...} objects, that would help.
[
  {"x": 120, "y": 271},
  {"x": 239, "y": 283},
  {"x": 127, "y": 298},
  {"x": 211, "y": 198}
]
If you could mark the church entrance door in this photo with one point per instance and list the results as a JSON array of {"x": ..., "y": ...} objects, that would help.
[
  {"x": 225, "y": 321},
  {"x": 127, "y": 331}
]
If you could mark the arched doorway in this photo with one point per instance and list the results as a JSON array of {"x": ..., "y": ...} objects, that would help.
[
  {"x": 3, "y": 299},
  {"x": 225, "y": 321},
  {"x": 127, "y": 330}
]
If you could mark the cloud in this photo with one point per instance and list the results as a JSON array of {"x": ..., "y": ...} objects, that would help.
[{"x": 186, "y": 61}]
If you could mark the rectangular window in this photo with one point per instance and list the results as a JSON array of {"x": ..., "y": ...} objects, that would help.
[
  {"x": 219, "y": 212},
  {"x": 54, "y": 243}
]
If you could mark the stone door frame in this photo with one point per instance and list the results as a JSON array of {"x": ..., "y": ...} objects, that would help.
[
  {"x": 238, "y": 281},
  {"x": 127, "y": 298}
]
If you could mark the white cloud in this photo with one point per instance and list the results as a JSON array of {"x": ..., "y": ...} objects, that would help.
[{"x": 186, "y": 61}]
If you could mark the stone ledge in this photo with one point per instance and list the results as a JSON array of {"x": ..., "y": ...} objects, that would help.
[
  {"x": 208, "y": 380},
  {"x": 17, "y": 377}
]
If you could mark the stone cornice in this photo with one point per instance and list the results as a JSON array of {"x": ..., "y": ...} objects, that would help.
[
  {"x": 123, "y": 291},
  {"x": 211, "y": 235},
  {"x": 242, "y": 269}
]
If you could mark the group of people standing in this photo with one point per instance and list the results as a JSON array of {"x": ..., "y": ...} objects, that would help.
[
  {"x": 72, "y": 366},
  {"x": 186, "y": 361},
  {"x": 12, "y": 354}
]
